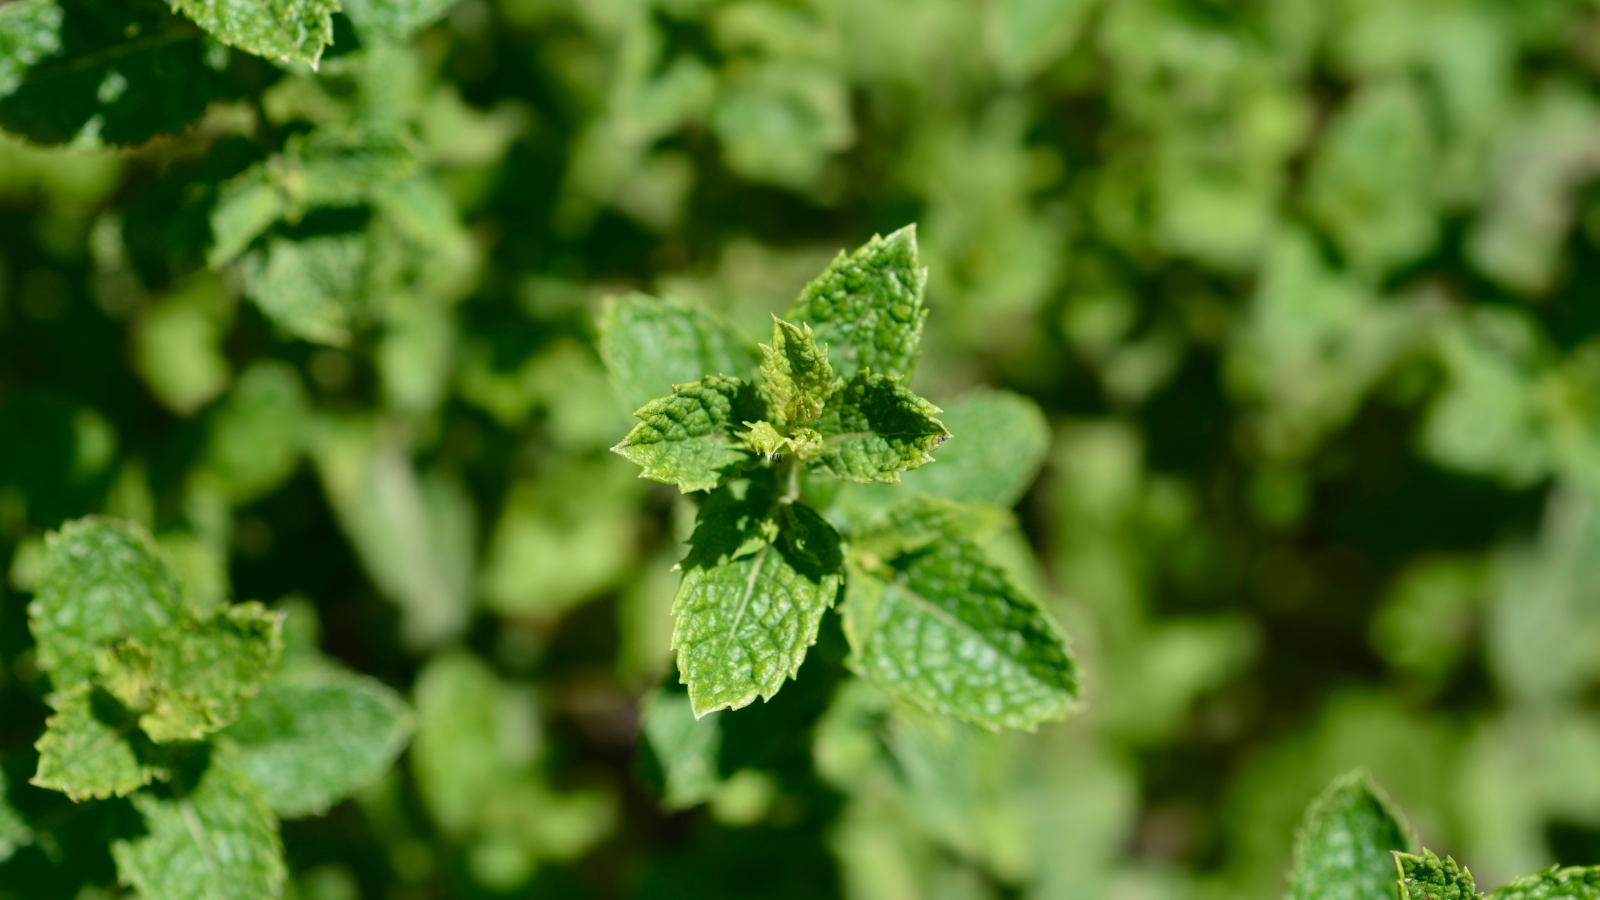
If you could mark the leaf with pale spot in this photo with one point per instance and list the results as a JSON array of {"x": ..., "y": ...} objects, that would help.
[
  {"x": 30, "y": 30},
  {"x": 756, "y": 582},
  {"x": 194, "y": 679},
  {"x": 289, "y": 30},
  {"x": 87, "y": 751},
  {"x": 867, "y": 306},
  {"x": 210, "y": 835},
  {"x": 945, "y": 628},
  {"x": 796, "y": 374},
  {"x": 1345, "y": 846},
  {"x": 873, "y": 429},
  {"x": 692, "y": 438}
]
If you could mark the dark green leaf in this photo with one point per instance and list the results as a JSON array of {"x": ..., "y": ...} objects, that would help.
[{"x": 1346, "y": 843}]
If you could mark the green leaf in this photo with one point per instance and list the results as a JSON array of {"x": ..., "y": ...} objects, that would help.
[
  {"x": 467, "y": 743},
  {"x": 258, "y": 435},
  {"x": 945, "y": 628},
  {"x": 1344, "y": 848},
  {"x": 755, "y": 585},
  {"x": 997, "y": 442},
  {"x": 649, "y": 345},
  {"x": 312, "y": 289},
  {"x": 686, "y": 747},
  {"x": 14, "y": 829},
  {"x": 87, "y": 751},
  {"x": 873, "y": 429},
  {"x": 177, "y": 344},
  {"x": 213, "y": 838},
  {"x": 796, "y": 374},
  {"x": 915, "y": 522},
  {"x": 691, "y": 438},
  {"x": 395, "y": 18},
  {"x": 194, "y": 679},
  {"x": 310, "y": 741},
  {"x": 30, "y": 30},
  {"x": 101, "y": 580},
  {"x": 110, "y": 71},
  {"x": 867, "y": 307},
  {"x": 1571, "y": 883},
  {"x": 1427, "y": 877},
  {"x": 288, "y": 30}
]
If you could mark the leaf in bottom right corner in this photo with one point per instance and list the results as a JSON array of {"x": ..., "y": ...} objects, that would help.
[{"x": 946, "y": 629}]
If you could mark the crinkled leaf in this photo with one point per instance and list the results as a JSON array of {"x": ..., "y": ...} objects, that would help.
[
  {"x": 211, "y": 838},
  {"x": 1572, "y": 883},
  {"x": 30, "y": 30},
  {"x": 290, "y": 30},
  {"x": 101, "y": 580},
  {"x": 867, "y": 306},
  {"x": 312, "y": 740},
  {"x": 87, "y": 751},
  {"x": 796, "y": 374},
  {"x": 691, "y": 439},
  {"x": 194, "y": 679},
  {"x": 997, "y": 442},
  {"x": 947, "y": 629},
  {"x": 114, "y": 71},
  {"x": 1345, "y": 847},
  {"x": 1427, "y": 877},
  {"x": 686, "y": 748},
  {"x": 649, "y": 345},
  {"x": 873, "y": 429},
  {"x": 755, "y": 585},
  {"x": 313, "y": 288},
  {"x": 256, "y": 438},
  {"x": 395, "y": 18}
]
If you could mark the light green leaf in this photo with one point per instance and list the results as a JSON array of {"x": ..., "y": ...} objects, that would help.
[
  {"x": 945, "y": 628},
  {"x": 867, "y": 307},
  {"x": 257, "y": 436},
  {"x": 755, "y": 585},
  {"x": 30, "y": 30},
  {"x": 312, "y": 289},
  {"x": 796, "y": 374},
  {"x": 310, "y": 741},
  {"x": 177, "y": 344},
  {"x": 915, "y": 522},
  {"x": 290, "y": 30},
  {"x": 247, "y": 205},
  {"x": 691, "y": 438},
  {"x": 1572, "y": 883},
  {"x": 395, "y": 18},
  {"x": 474, "y": 734},
  {"x": 101, "y": 580},
  {"x": 214, "y": 838},
  {"x": 194, "y": 679},
  {"x": 1344, "y": 848},
  {"x": 873, "y": 429},
  {"x": 997, "y": 442},
  {"x": 14, "y": 829},
  {"x": 87, "y": 750},
  {"x": 649, "y": 345},
  {"x": 686, "y": 747},
  {"x": 1427, "y": 877}
]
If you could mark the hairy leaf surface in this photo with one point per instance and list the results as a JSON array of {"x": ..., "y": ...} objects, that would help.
[
  {"x": 796, "y": 374},
  {"x": 87, "y": 751},
  {"x": 946, "y": 628},
  {"x": 1427, "y": 877},
  {"x": 691, "y": 439},
  {"x": 289, "y": 30},
  {"x": 649, "y": 345},
  {"x": 311, "y": 740},
  {"x": 210, "y": 838},
  {"x": 101, "y": 580},
  {"x": 1345, "y": 847},
  {"x": 867, "y": 306},
  {"x": 873, "y": 429},
  {"x": 755, "y": 586},
  {"x": 193, "y": 679}
]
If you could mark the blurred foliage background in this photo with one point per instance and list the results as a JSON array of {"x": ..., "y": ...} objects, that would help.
[{"x": 1298, "y": 283}]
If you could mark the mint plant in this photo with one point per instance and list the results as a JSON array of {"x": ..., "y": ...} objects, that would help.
[
  {"x": 210, "y": 718},
  {"x": 1355, "y": 845},
  {"x": 928, "y": 615}
]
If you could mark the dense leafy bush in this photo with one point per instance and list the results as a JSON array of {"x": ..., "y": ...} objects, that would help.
[{"x": 1257, "y": 353}]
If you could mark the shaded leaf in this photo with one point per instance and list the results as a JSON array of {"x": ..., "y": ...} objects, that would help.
[
  {"x": 30, "y": 30},
  {"x": 289, "y": 30},
  {"x": 395, "y": 18},
  {"x": 312, "y": 289},
  {"x": 649, "y": 345},
  {"x": 686, "y": 747},
  {"x": 86, "y": 751},
  {"x": 867, "y": 307},
  {"x": 997, "y": 443}
]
